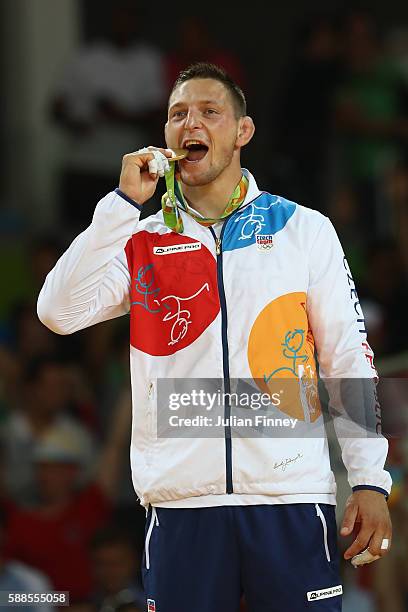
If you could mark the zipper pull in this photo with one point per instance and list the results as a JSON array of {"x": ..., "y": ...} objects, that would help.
[
  {"x": 218, "y": 246},
  {"x": 150, "y": 391}
]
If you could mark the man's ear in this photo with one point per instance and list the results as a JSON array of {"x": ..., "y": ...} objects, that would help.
[
  {"x": 165, "y": 131},
  {"x": 246, "y": 129}
]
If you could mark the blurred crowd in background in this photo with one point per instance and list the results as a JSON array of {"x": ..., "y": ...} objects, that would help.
[{"x": 70, "y": 520}]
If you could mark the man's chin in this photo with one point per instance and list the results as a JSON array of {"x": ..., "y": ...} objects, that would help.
[{"x": 194, "y": 177}]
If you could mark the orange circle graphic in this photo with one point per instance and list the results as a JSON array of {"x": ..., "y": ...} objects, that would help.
[{"x": 281, "y": 356}]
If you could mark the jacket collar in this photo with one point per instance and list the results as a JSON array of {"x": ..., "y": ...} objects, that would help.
[{"x": 253, "y": 190}]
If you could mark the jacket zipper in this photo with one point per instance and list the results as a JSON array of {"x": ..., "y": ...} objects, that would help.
[
  {"x": 224, "y": 339},
  {"x": 225, "y": 356}
]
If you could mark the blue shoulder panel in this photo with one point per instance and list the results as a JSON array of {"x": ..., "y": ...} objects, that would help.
[{"x": 265, "y": 216}]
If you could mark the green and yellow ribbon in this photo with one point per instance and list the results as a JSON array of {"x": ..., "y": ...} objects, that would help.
[{"x": 170, "y": 205}]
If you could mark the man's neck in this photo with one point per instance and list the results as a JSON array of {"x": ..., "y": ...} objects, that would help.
[{"x": 211, "y": 200}]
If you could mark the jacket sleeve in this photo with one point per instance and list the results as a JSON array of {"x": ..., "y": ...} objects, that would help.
[
  {"x": 346, "y": 362},
  {"x": 91, "y": 280}
]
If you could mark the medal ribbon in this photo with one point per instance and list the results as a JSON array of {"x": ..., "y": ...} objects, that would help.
[{"x": 170, "y": 206}]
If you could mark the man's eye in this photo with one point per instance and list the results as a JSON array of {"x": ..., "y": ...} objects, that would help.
[
  {"x": 210, "y": 111},
  {"x": 179, "y": 114}
]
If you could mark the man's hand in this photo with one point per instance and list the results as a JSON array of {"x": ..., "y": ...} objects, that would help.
[
  {"x": 367, "y": 515},
  {"x": 141, "y": 171}
]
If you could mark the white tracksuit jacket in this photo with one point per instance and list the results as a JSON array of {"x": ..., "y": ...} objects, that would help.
[{"x": 255, "y": 303}]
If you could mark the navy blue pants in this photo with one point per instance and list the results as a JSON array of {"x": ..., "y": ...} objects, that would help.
[{"x": 282, "y": 557}]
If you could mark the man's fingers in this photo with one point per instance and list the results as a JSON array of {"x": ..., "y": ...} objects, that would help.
[
  {"x": 349, "y": 519},
  {"x": 369, "y": 512},
  {"x": 161, "y": 156},
  {"x": 158, "y": 163},
  {"x": 162, "y": 162},
  {"x": 147, "y": 157},
  {"x": 153, "y": 159},
  {"x": 360, "y": 543},
  {"x": 166, "y": 152},
  {"x": 142, "y": 157},
  {"x": 141, "y": 171},
  {"x": 380, "y": 542},
  {"x": 152, "y": 165}
]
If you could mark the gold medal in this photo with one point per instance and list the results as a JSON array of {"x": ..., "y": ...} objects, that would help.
[{"x": 179, "y": 154}]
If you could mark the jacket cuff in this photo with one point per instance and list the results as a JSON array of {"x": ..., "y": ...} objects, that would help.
[
  {"x": 371, "y": 488},
  {"x": 125, "y": 197}
]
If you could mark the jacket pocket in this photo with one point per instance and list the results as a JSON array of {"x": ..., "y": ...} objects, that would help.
[
  {"x": 322, "y": 518},
  {"x": 150, "y": 422},
  {"x": 151, "y": 409}
]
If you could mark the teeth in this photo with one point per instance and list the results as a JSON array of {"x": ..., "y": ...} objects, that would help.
[{"x": 192, "y": 142}]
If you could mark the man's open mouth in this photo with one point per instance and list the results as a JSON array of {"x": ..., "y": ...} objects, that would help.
[{"x": 196, "y": 151}]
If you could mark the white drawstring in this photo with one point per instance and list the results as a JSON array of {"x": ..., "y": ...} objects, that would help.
[
  {"x": 324, "y": 524},
  {"x": 153, "y": 518}
]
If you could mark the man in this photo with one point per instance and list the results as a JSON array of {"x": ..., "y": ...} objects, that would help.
[
  {"x": 15, "y": 576},
  {"x": 115, "y": 570},
  {"x": 68, "y": 511},
  {"x": 45, "y": 401},
  {"x": 216, "y": 286},
  {"x": 110, "y": 97}
]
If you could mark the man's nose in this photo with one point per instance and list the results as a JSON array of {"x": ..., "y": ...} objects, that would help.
[{"x": 192, "y": 120}]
